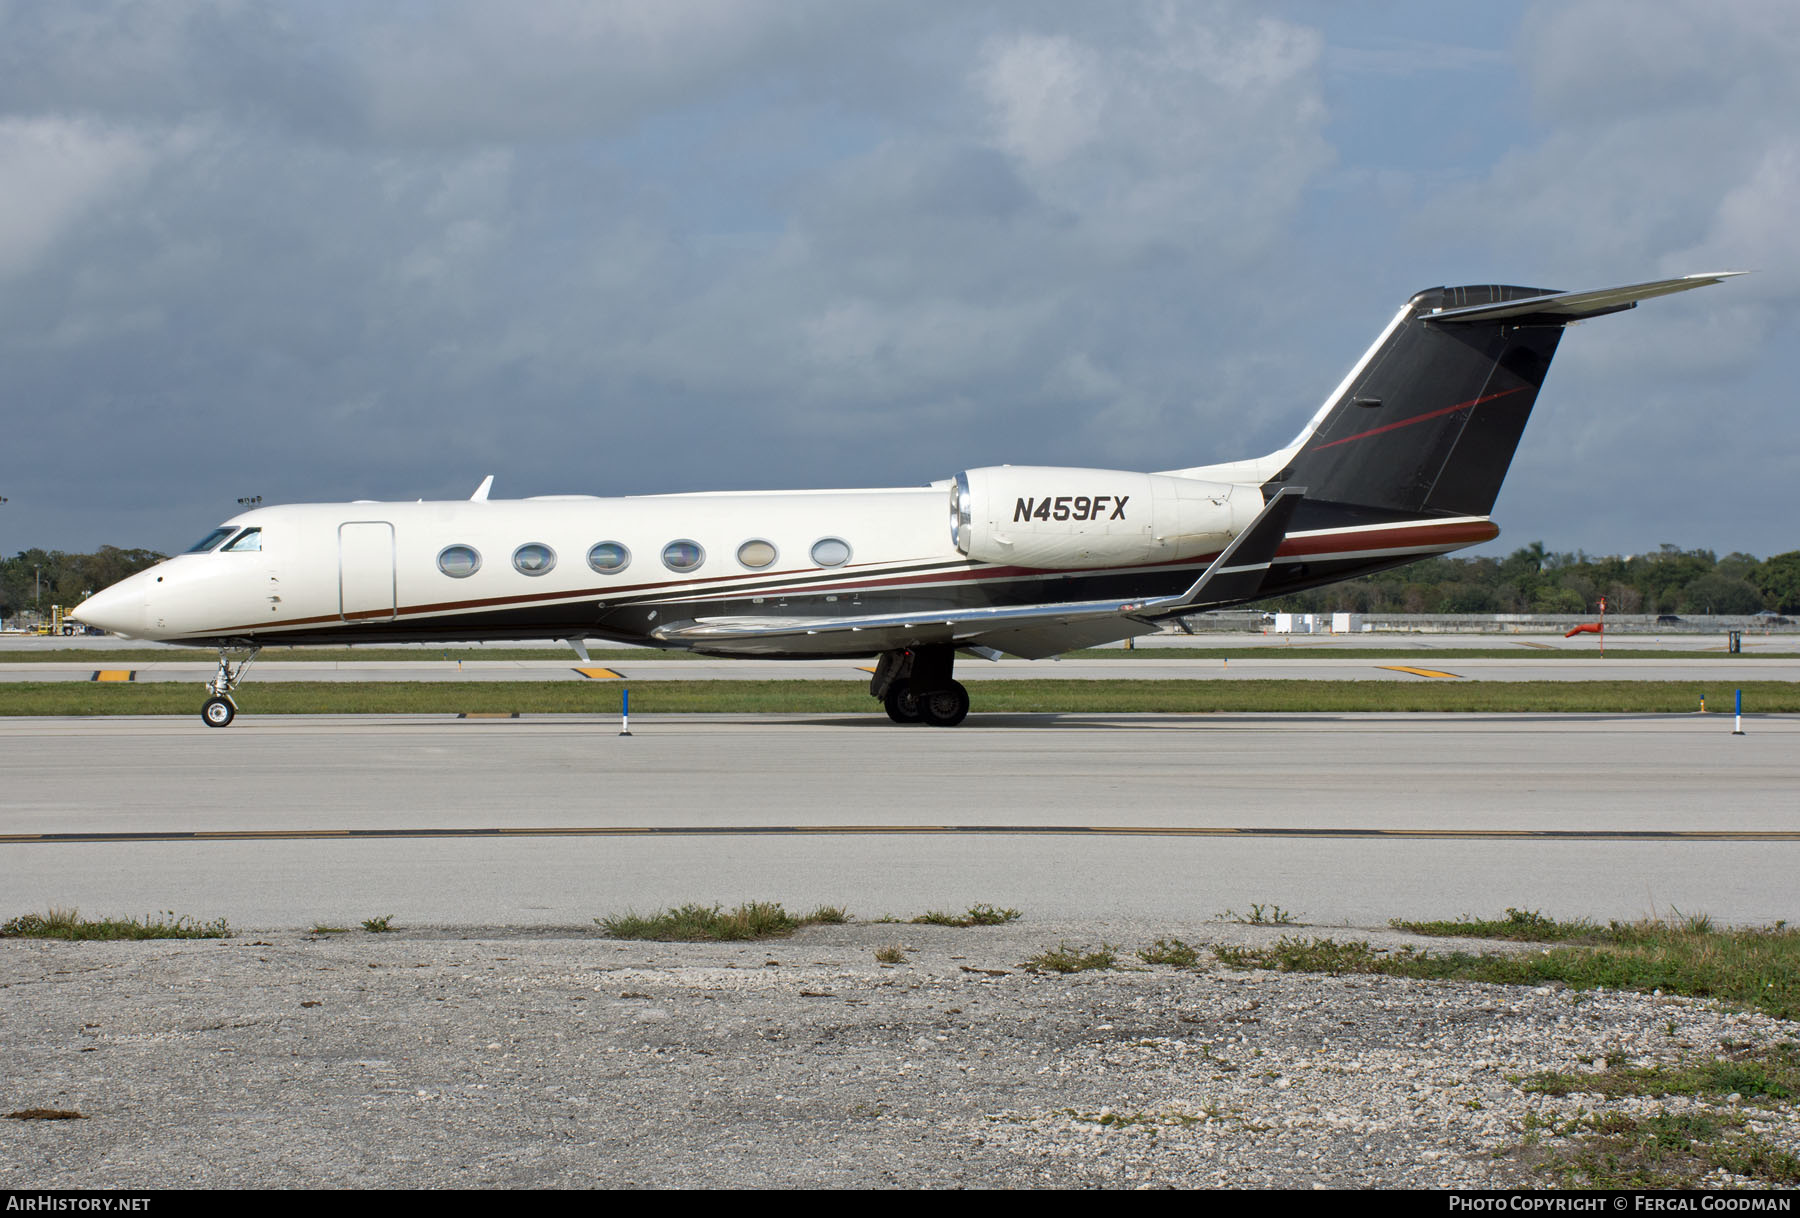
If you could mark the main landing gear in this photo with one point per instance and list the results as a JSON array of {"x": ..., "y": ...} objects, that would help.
[
  {"x": 916, "y": 687},
  {"x": 219, "y": 710}
]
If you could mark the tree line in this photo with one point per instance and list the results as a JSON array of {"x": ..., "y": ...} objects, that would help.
[
  {"x": 1533, "y": 580},
  {"x": 42, "y": 578},
  {"x": 1529, "y": 580}
]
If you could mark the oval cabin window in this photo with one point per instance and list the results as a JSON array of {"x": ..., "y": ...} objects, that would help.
[
  {"x": 459, "y": 562},
  {"x": 756, "y": 554},
  {"x": 609, "y": 556},
  {"x": 534, "y": 558},
  {"x": 683, "y": 555},
  {"x": 831, "y": 552}
]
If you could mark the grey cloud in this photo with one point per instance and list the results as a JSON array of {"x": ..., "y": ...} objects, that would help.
[
  {"x": 344, "y": 252},
  {"x": 1605, "y": 60},
  {"x": 149, "y": 63}
]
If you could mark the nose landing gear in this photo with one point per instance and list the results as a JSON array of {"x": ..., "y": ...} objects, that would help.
[{"x": 219, "y": 710}]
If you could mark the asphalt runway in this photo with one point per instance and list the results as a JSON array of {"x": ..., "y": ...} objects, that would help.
[{"x": 554, "y": 820}]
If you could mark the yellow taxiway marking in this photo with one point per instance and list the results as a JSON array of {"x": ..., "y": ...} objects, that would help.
[
  {"x": 1523, "y": 643},
  {"x": 114, "y": 674},
  {"x": 274, "y": 835},
  {"x": 1418, "y": 672},
  {"x": 601, "y": 674}
]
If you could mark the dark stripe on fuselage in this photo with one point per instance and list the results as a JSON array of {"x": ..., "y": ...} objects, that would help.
[{"x": 1304, "y": 561}]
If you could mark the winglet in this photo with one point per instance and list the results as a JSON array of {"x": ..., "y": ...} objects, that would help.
[
  {"x": 481, "y": 492},
  {"x": 1237, "y": 574}
]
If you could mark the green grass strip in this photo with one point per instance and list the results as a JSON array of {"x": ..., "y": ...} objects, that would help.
[
  {"x": 1530, "y": 926},
  {"x": 841, "y": 697},
  {"x": 1746, "y": 967}
]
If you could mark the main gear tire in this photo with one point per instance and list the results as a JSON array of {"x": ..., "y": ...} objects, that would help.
[
  {"x": 946, "y": 707},
  {"x": 902, "y": 704}
]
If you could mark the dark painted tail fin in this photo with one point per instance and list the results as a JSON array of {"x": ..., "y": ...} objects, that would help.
[{"x": 1428, "y": 422}]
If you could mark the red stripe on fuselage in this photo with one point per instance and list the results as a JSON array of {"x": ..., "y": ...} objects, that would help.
[
  {"x": 1420, "y": 418},
  {"x": 1346, "y": 542}
]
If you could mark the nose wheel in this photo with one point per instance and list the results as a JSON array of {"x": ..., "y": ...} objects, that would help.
[{"x": 219, "y": 709}]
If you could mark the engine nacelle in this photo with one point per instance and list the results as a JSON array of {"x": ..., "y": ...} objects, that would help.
[{"x": 1048, "y": 516}]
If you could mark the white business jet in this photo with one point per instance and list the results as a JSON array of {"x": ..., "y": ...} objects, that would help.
[{"x": 1402, "y": 462}]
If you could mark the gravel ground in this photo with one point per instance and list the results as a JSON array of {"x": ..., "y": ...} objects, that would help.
[{"x": 483, "y": 1058}]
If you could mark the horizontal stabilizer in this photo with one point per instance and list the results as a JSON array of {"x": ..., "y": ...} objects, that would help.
[{"x": 1563, "y": 307}]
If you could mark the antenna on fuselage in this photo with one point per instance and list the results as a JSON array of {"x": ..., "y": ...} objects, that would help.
[{"x": 481, "y": 492}]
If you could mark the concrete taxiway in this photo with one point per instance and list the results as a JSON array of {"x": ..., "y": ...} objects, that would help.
[{"x": 553, "y": 820}]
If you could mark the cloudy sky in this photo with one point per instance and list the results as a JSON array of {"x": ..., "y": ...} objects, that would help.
[{"x": 334, "y": 251}]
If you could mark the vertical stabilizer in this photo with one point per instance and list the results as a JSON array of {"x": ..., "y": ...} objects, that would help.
[{"x": 1428, "y": 421}]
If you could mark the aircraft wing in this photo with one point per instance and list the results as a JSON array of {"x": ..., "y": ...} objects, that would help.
[{"x": 1032, "y": 632}]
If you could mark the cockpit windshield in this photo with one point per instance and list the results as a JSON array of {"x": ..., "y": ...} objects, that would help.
[
  {"x": 211, "y": 539},
  {"x": 248, "y": 540}
]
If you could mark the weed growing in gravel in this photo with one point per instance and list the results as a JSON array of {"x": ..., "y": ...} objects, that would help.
[
  {"x": 1260, "y": 915},
  {"x": 322, "y": 929},
  {"x": 1666, "y": 1150},
  {"x": 1161, "y": 1118},
  {"x": 1524, "y": 925},
  {"x": 893, "y": 953},
  {"x": 1750, "y": 967},
  {"x": 1171, "y": 951},
  {"x": 978, "y": 915},
  {"x": 1106, "y": 1118},
  {"x": 378, "y": 926},
  {"x": 1768, "y": 1074},
  {"x": 1066, "y": 959},
  {"x": 69, "y": 924},
  {"x": 698, "y": 923}
]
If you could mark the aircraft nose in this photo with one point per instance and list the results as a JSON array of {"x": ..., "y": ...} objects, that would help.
[{"x": 118, "y": 609}]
